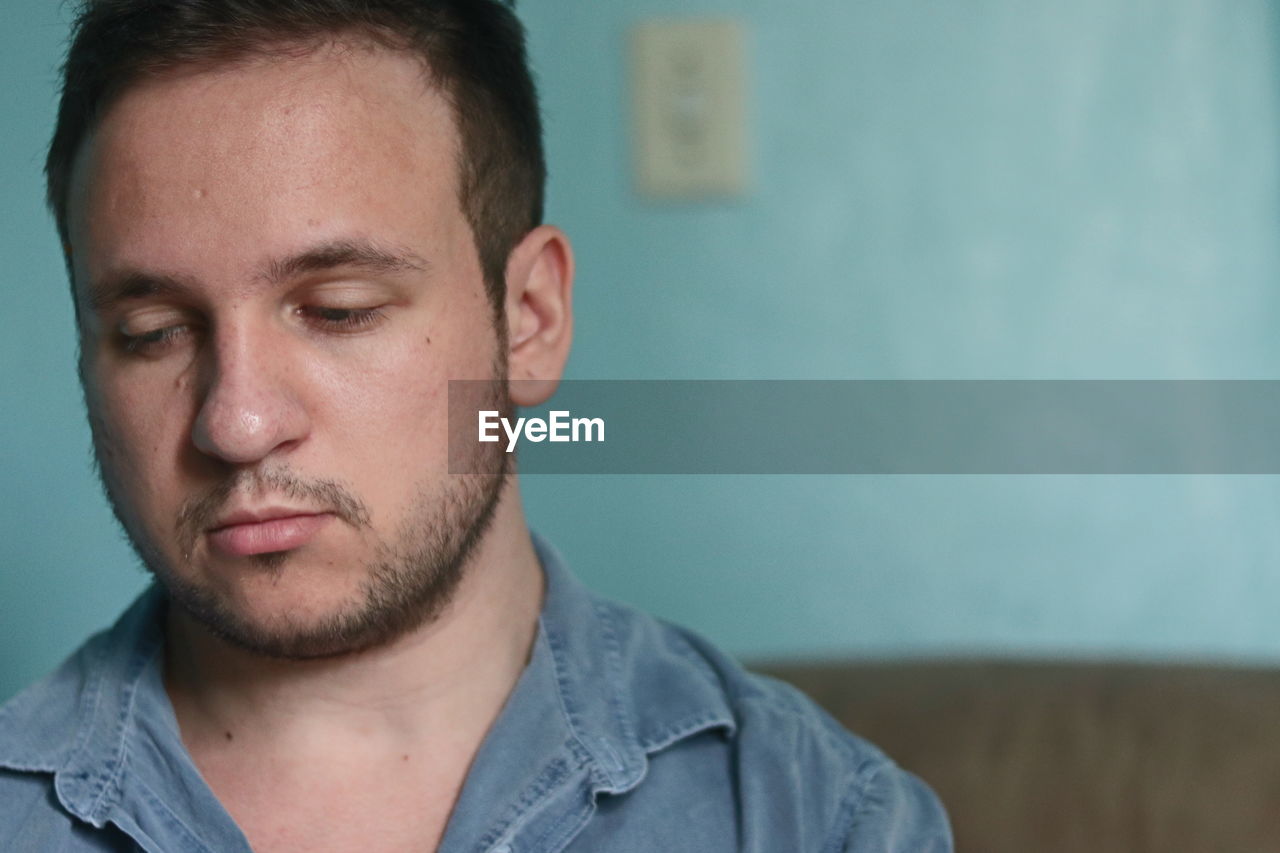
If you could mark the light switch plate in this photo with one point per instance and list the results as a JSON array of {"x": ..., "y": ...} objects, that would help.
[{"x": 689, "y": 108}]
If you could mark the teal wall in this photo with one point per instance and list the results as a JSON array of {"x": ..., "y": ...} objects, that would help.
[{"x": 987, "y": 189}]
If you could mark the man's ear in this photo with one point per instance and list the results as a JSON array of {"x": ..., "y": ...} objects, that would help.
[{"x": 539, "y": 310}]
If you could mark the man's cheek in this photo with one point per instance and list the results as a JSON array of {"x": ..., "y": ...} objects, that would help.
[
  {"x": 119, "y": 460},
  {"x": 106, "y": 445}
]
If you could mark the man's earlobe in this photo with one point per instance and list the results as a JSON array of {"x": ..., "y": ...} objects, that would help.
[{"x": 539, "y": 310}]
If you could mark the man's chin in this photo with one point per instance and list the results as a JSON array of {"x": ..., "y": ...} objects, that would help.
[
  {"x": 290, "y": 634},
  {"x": 270, "y": 619}
]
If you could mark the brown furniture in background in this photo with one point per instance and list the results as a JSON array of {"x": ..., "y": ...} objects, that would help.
[{"x": 1051, "y": 757}]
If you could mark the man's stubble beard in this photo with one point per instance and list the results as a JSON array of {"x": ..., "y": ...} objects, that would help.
[{"x": 408, "y": 582}]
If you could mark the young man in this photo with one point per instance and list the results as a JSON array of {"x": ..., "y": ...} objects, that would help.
[{"x": 288, "y": 224}]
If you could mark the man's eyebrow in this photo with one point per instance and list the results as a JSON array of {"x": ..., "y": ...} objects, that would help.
[
  {"x": 339, "y": 254},
  {"x": 345, "y": 253},
  {"x": 115, "y": 289}
]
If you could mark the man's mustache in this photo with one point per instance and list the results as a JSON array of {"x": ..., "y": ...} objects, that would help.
[{"x": 202, "y": 512}]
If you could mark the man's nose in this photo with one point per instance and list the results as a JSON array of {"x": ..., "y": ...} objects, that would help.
[{"x": 250, "y": 408}]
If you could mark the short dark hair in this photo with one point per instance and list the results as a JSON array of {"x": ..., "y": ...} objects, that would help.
[{"x": 473, "y": 50}]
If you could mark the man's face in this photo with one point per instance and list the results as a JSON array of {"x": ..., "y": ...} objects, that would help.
[{"x": 275, "y": 282}]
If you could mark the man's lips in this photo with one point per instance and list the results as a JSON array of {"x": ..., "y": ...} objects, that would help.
[{"x": 245, "y": 534}]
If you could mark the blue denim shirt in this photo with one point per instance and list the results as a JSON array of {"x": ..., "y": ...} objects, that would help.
[{"x": 623, "y": 734}]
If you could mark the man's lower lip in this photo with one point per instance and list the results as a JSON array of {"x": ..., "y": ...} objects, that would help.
[{"x": 266, "y": 537}]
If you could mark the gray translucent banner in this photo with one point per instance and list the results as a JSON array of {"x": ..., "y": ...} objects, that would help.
[{"x": 881, "y": 427}]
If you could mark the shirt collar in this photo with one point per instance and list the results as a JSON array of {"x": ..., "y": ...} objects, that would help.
[
  {"x": 103, "y": 725},
  {"x": 605, "y": 688},
  {"x": 75, "y": 721},
  {"x": 629, "y": 685}
]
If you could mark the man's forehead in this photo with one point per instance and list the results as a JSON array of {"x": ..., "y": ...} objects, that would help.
[
  {"x": 309, "y": 94},
  {"x": 327, "y": 131}
]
